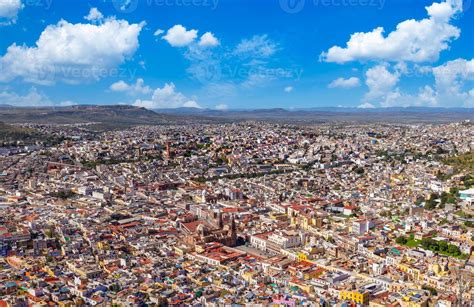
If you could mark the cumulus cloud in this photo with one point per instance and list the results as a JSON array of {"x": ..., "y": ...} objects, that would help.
[
  {"x": 451, "y": 74},
  {"x": 167, "y": 97},
  {"x": 380, "y": 82},
  {"x": 208, "y": 40},
  {"x": 94, "y": 15},
  {"x": 72, "y": 52},
  {"x": 132, "y": 89},
  {"x": 452, "y": 88},
  {"x": 345, "y": 83},
  {"x": 32, "y": 98},
  {"x": 178, "y": 36},
  {"x": 9, "y": 10},
  {"x": 288, "y": 89},
  {"x": 452, "y": 80},
  {"x": 427, "y": 96},
  {"x": 412, "y": 40}
]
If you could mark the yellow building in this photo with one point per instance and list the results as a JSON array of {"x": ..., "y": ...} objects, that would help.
[
  {"x": 102, "y": 245},
  {"x": 305, "y": 287},
  {"x": 313, "y": 273},
  {"x": 302, "y": 256},
  {"x": 355, "y": 296},
  {"x": 250, "y": 276}
]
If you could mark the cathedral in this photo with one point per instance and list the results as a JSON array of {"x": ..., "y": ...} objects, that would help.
[{"x": 214, "y": 231}]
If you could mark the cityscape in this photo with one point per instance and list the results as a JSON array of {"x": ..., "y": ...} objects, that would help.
[{"x": 258, "y": 182}]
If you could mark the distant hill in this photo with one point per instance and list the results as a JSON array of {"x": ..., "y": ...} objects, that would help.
[
  {"x": 334, "y": 114},
  {"x": 103, "y": 117},
  {"x": 121, "y": 116}
]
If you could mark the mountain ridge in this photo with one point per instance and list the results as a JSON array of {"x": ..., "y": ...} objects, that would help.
[{"x": 121, "y": 116}]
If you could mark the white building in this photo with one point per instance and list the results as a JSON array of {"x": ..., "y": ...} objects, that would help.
[
  {"x": 286, "y": 239},
  {"x": 467, "y": 195}
]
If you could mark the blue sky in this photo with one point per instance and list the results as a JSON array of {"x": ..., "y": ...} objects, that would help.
[{"x": 237, "y": 53}]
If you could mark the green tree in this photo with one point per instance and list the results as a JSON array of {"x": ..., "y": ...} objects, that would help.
[
  {"x": 401, "y": 240},
  {"x": 443, "y": 246},
  {"x": 453, "y": 250}
]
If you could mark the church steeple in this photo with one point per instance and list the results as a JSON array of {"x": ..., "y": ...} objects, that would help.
[
  {"x": 220, "y": 222},
  {"x": 233, "y": 230}
]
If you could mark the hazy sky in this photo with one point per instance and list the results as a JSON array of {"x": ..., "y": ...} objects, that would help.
[{"x": 237, "y": 53}]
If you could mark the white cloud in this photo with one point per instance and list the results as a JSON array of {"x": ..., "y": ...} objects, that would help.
[
  {"x": 72, "y": 53},
  {"x": 158, "y": 32},
  {"x": 382, "y": 88},
  {"x": 366, "y": 105},
  {"x": 451, "y": 74},
  {"x": 132, "y": 89},
  {"x": 178, "y": 36},
  {"x": 259, "y": 46},
  {"x": 191, "y": 104},
  {"x": 412, "y": 40},
  {"x": 288, "y": 89},
  {"x": 9, "y": 10},
  {"x": 345, "y": 83},
  {"x": 167, "y": 97},
  {"x": 32, "y": 98},
  {"x": 208, "y": 40},
  {"x": 451, "y": 80},
  {"x": 221, "y": 107},
  {"x": 427, "y": 96},
  {"x": 120, "y": 86},
  {"x": 94, "y": 15},
  {"x": 424, "y": 98},
  {"x": 396, "y": 98},
  {"x": 380, "y": 82}
]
